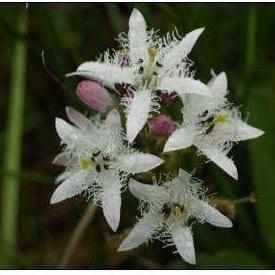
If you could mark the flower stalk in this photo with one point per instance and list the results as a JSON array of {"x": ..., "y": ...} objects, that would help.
[{"x": 10, "y": 194}]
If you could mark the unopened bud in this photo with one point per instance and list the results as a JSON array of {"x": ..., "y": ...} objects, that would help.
[
  {"x": 94, "y": 95},
  {"x": 162, "y": 126}
]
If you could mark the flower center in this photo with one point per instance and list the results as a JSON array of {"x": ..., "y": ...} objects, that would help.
[
  {"x": 98, "y": 161},
  {"x": 149, "y": 69},
  {"x": 173, "y": 209},
  {"x": 209, "y": 122}
]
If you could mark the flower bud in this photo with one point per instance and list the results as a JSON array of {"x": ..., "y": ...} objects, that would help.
[
  {"x": 94, "y": 95},
  {"x": 162, "y": 126}
]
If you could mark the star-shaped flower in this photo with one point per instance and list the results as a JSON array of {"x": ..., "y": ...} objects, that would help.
[
  {"x": 169, "y": 211},
  {"x": 97, "y": 162},
  {"x": 212, "y": 125},
  {"x": 147, "y": 66}
]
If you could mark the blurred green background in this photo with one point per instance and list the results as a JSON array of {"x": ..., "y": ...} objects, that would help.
[{"x": 239, "y": 39}]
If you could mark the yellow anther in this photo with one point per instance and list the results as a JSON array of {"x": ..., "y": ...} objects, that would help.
[
  {"x": 220, "y": 119},
  {"x": 85, "y": 164}
]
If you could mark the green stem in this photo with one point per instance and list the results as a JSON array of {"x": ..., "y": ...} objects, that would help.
[
  {"x": 250, "y": 53},
  {"x": 13, "y": 142},
  {"x": 77, "y": 234}
]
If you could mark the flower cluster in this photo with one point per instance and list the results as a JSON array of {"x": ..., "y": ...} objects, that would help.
[{"x": 134, "y": 91}]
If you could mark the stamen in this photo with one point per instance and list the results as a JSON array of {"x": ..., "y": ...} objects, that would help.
[
  {"x": 141, "y": 70},
  {"x": 98, "y": 168},
  {"x": 95, "y": 154},
  {"x": 159, "y": 65}
]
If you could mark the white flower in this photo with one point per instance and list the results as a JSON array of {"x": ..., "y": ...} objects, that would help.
[
  {"x": 212, "y": 125},
  {"x": 147, "y": 63},
  {"x": 170, "y": 210},
  {"x": 97, "y": 161}
]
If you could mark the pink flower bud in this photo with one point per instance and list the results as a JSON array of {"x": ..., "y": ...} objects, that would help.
[
  {"x": 162, "y": 126},
  {"x": 94, "y": 95}
]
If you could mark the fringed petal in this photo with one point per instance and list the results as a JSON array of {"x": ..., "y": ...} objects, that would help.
[
  {"x": 182, "y": 138},
  {"x": 182, "y": 49},
  {"x": 111, "y": 202},
  {"x": 138, "y": 111},
  {"x": 106, "y": 74},
  {"x": 135, "y": 163},
  {"x": 221, "y": 160},
  {"x": 141, "y": 232},
  {"x": 71, "y": 187},
  {"x": 183, "y": 86},
  {"x": 137, "y": 37},
  {"x": 183, "y": 239}
]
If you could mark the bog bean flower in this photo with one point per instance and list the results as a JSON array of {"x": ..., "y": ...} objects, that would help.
[{"x": 150, "y": 105}]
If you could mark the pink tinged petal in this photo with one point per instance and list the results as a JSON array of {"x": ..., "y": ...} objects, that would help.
[
  {"x": 213, "y": 216},
  {"x": 106, "y": 74},
  {"x": 141, "y": 232},
  {"x": 182, "y": 49},
  {"x": 139, "y": 109},
  {"x": 221, "y": 160},
  {"x": 245, "y": 131},
  {"x": 146, "y": 192},
  {"x": 78, "y": 119},
  {"x": 219, "y": 85},
  {"x": 111, "y": 203},
  {"x": 94, "y": 95},
  {"x": 61, "y": 159},
  {"x": 69, "y": 188},
  {"x": 139, "y": 162},
  {"x": 161, "y": 126},
  {"x": 183, "y": 239},
  {"x": 137, "y": 37},
  {"x": 182, "y": 138},
  {"x": 183, "y": 86}
]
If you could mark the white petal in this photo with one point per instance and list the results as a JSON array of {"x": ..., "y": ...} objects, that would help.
[
  {"x": 183, "y": 239},
  {"x": 137, "y": 37},
  {"x": 107, "y": 74},
  {"x": 147, "y": 192},
  {"x": 184, "y": 86},
  {"x": 77, "y": 118},
  {"x": 182, "y": 50},
  {"x": 213, "y": 216},
  {"x": 113, "y": 119},
  {"x": 139, "y": 162},
  {"x": 138, "y": 112},
  {"x": 222, "y": 161},
  {"x": 111, "y": 202},
  {"x": 141, "y": 232},
  {"x": 180, "y": 139},
  {"x": 65, "y": 130},
  {"x": 70, "y": 187},
  {"x": 245, "y": 131},
  {"x": 219, "y": 85}
]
